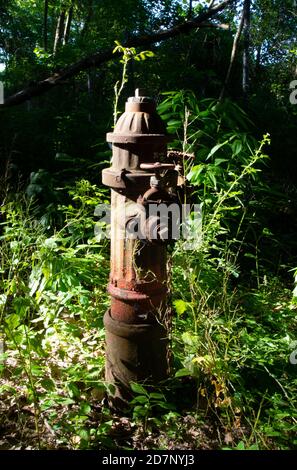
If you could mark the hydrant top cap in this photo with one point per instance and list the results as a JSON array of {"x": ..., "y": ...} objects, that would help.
[{"x": 139, "y": 124}]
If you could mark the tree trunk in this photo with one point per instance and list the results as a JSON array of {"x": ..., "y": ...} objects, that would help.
[
  {"x": 59, "y": 31},
  {"x": 45, "y": 23},
  {"x": 190, "y": 9},
  {"x": 67, "y": 25},
  {"x": 233, "y": 55},
  {"x": 246, "y": 45}
]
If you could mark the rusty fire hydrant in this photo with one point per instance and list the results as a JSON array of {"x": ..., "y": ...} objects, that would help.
[{"x": 136, "y": 333}]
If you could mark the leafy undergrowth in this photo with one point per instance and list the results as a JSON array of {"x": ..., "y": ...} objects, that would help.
[
  {"x": 233, "y": 379},
  {"x": 233, "y": 373}
]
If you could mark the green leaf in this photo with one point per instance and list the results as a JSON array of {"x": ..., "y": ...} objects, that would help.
[
  {"x": 182, "y": 373},
  {"x": 12, "y": 321},
  {"x": 139, "y": 411},
  {"x": 215, "y": 149},
  {"x": 48, "y": 384},
  {"x": 137, "y": 388},
  {"x": 142, "y": 399},
  {"x": 157, "y": 396},
  {"x": 195, "y": 174},
  {"x": 174, "y": 123},
  {"x": 189, "y": 338},
  {"x": 85, "y": 408},
  {"x": 149, "y": 53},
  {"x": 236, "y": 147},
  {"x": 249, "y": 255},
  {"x": 218, "y": 161},
  {"x": 212, "y": 178},
  {"x": 165, "y": 406},
  {"x": 84, "y": 435},
  {"x": 73, "y": 390},
  {"x": 180, "y": 306},
  {"x": 240, "y": 446}
]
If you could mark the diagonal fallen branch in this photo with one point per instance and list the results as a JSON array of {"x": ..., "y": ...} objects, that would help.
[{"x": 101, "y": 57}]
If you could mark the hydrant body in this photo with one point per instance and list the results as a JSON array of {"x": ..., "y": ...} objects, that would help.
[{"x": 136, "y": 333}]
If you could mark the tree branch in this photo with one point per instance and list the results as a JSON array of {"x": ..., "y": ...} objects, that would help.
[
  {"x": 224, "y": 26},
  {"x": 98, "y": 58}
]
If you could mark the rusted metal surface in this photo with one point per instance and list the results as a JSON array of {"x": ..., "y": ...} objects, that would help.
[
  {"x": 136, "y": 338},
  {"x": 136, "y": 352}
]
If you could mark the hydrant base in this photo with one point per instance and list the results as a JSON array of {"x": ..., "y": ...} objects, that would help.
[{"x": 134, "y": 353}]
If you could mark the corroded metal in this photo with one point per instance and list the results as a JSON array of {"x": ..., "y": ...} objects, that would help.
[{"x": 136, "y": 335}]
